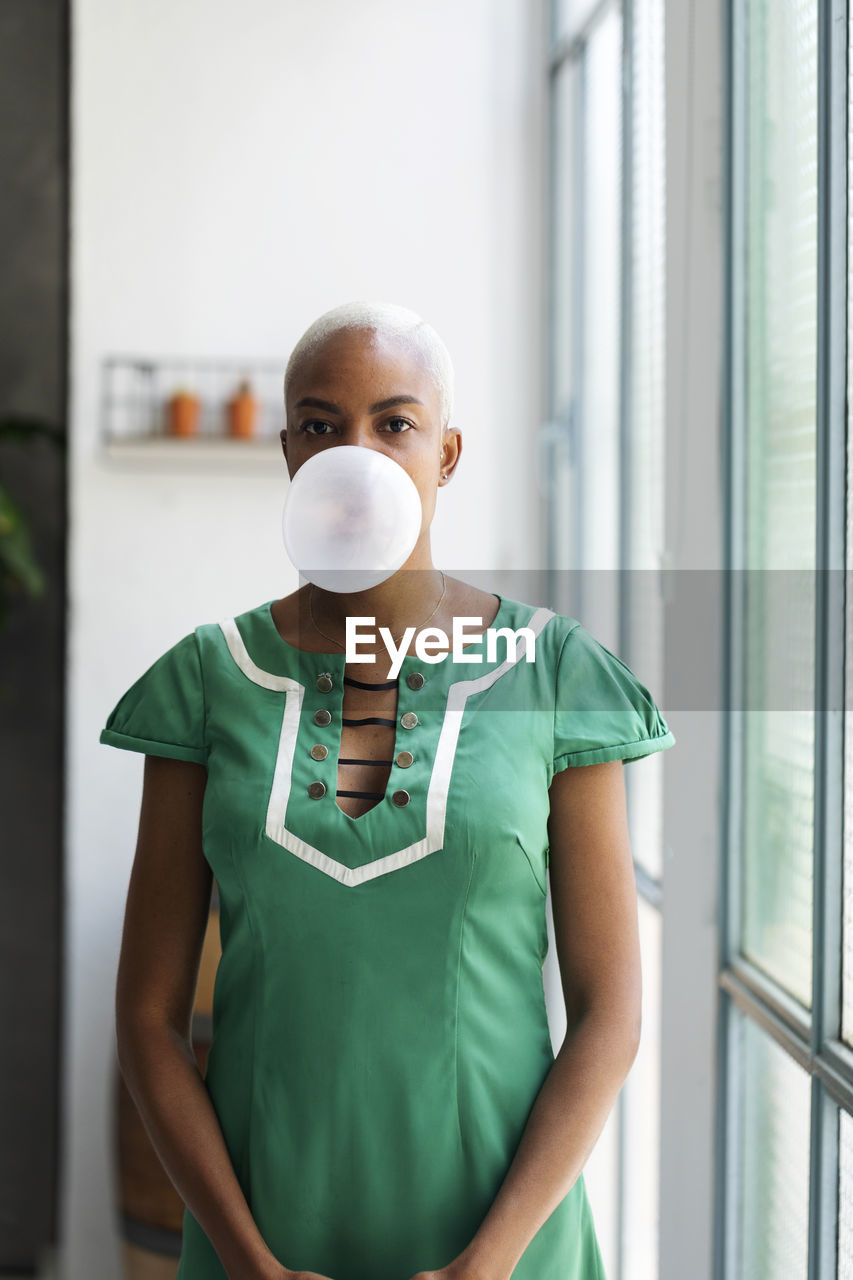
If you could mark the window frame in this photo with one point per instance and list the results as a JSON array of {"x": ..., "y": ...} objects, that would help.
[
  {"x": 810, "y": 1039},
  {"x": 684, "y": 896}
]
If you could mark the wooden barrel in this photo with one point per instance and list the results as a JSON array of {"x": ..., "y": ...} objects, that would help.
[{"x": 149, "y": 1208}]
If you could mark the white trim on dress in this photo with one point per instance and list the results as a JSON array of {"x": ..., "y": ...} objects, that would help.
[{"x": 436, "y": 808}]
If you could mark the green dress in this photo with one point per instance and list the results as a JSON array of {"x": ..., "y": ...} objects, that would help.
[{"x": 379, "y": 1023}]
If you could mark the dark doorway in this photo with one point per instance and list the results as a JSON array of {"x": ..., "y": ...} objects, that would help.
[{"x": 34, "y": 93}]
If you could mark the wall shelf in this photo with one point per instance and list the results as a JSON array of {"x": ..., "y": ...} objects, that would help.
[
  {"x": 165, "y": 452},
  {"x": 135, "y": 391}
]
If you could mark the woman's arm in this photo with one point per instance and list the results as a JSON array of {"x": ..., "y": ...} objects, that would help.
[
  {"x": 166, "y": 916},
  {"x": 594, "y": 901}
]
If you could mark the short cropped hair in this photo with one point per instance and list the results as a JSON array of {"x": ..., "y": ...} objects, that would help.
[{"x": 387, "y": 320}]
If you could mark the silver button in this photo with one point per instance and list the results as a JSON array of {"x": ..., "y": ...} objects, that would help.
[
  {"x": 319, "y": 752},
  {"x": 324, "y": 681},
  {"x": 322, "y": 717},
  {"x": 408, "y": 719},
  {"x": 400, "y": 798},
  {"x": 415, "y": 680},
  {"x": 317, "y": 789},
  {"x": 404, "y": 759}
]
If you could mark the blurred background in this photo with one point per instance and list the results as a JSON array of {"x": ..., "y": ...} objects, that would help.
[{"x": 629, "y": 220}]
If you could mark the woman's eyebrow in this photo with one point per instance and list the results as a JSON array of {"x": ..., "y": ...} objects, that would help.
[
  {"x": 392, "y": 400},
  {"x": 316, "y": 403}
]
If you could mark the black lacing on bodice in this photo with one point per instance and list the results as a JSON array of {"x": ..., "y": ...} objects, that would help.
[{"x": 362, "y": 684}]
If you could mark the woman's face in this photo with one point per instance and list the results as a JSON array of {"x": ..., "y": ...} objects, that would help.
[{"x": 341, "y": 395}]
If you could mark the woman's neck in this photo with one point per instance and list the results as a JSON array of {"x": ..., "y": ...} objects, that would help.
[{"x": 406, "y": 599}]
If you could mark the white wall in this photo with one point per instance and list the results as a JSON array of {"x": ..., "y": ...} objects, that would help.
[
  {"x": 236, "y": 170},
  {"x": 694, "y": 834}
]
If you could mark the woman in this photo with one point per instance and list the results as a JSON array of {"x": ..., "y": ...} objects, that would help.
[{"x": 381, "y": 1098}]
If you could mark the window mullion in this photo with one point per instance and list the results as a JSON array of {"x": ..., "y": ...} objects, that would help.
[
  {"x": 830, "y": 610},
  {"x": 728, "y": 1119}
]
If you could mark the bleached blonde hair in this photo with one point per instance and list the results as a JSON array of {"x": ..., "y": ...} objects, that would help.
[{"x": 388, "y": 321}]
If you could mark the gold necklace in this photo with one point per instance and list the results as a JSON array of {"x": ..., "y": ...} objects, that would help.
[{"x": 394, "y": 638}]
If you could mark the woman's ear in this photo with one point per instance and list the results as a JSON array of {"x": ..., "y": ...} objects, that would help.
[{"x": 451, "y": 448}]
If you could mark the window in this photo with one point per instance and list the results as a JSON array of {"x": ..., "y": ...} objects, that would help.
[
  {"x": 782, "y": 1158},
  {"x": 602, "y": 477},
  {"x": 786, "y": 1091}
]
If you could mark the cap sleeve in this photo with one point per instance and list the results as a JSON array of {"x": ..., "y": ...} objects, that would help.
[
  {"x": 602, "y": 711},
  {"x": 162, "y": 713}
]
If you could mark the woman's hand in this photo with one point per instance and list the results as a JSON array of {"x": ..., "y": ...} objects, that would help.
[
  {"x": 455, "y": 1270},
  {"x": 277, "y": 1271},
  {"x": 302, "y": 1275}
]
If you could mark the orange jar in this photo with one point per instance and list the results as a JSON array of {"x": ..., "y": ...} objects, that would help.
[
  {"x": 242, "y": 412},
  {"x": 183, "y": 414}
]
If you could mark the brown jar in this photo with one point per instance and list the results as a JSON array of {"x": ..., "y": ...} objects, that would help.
[
  {"x": 242, "y": 412},
  {"x": 182, "y": 414}
]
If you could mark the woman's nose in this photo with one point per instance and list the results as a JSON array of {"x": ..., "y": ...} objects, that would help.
[{"x": 360, "y": 435}]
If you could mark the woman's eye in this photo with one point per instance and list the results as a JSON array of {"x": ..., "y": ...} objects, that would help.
[{"x": 397, "y": 425}]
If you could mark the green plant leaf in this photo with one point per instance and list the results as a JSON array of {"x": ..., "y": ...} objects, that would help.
[
  {"x": 21, "y": 427},
  {"x": 18, "y": 565}
]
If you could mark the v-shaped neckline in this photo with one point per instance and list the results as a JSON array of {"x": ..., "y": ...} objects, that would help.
[
  {"x": 380, "y": 843},
  {"x": 337, "y": 667}
]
